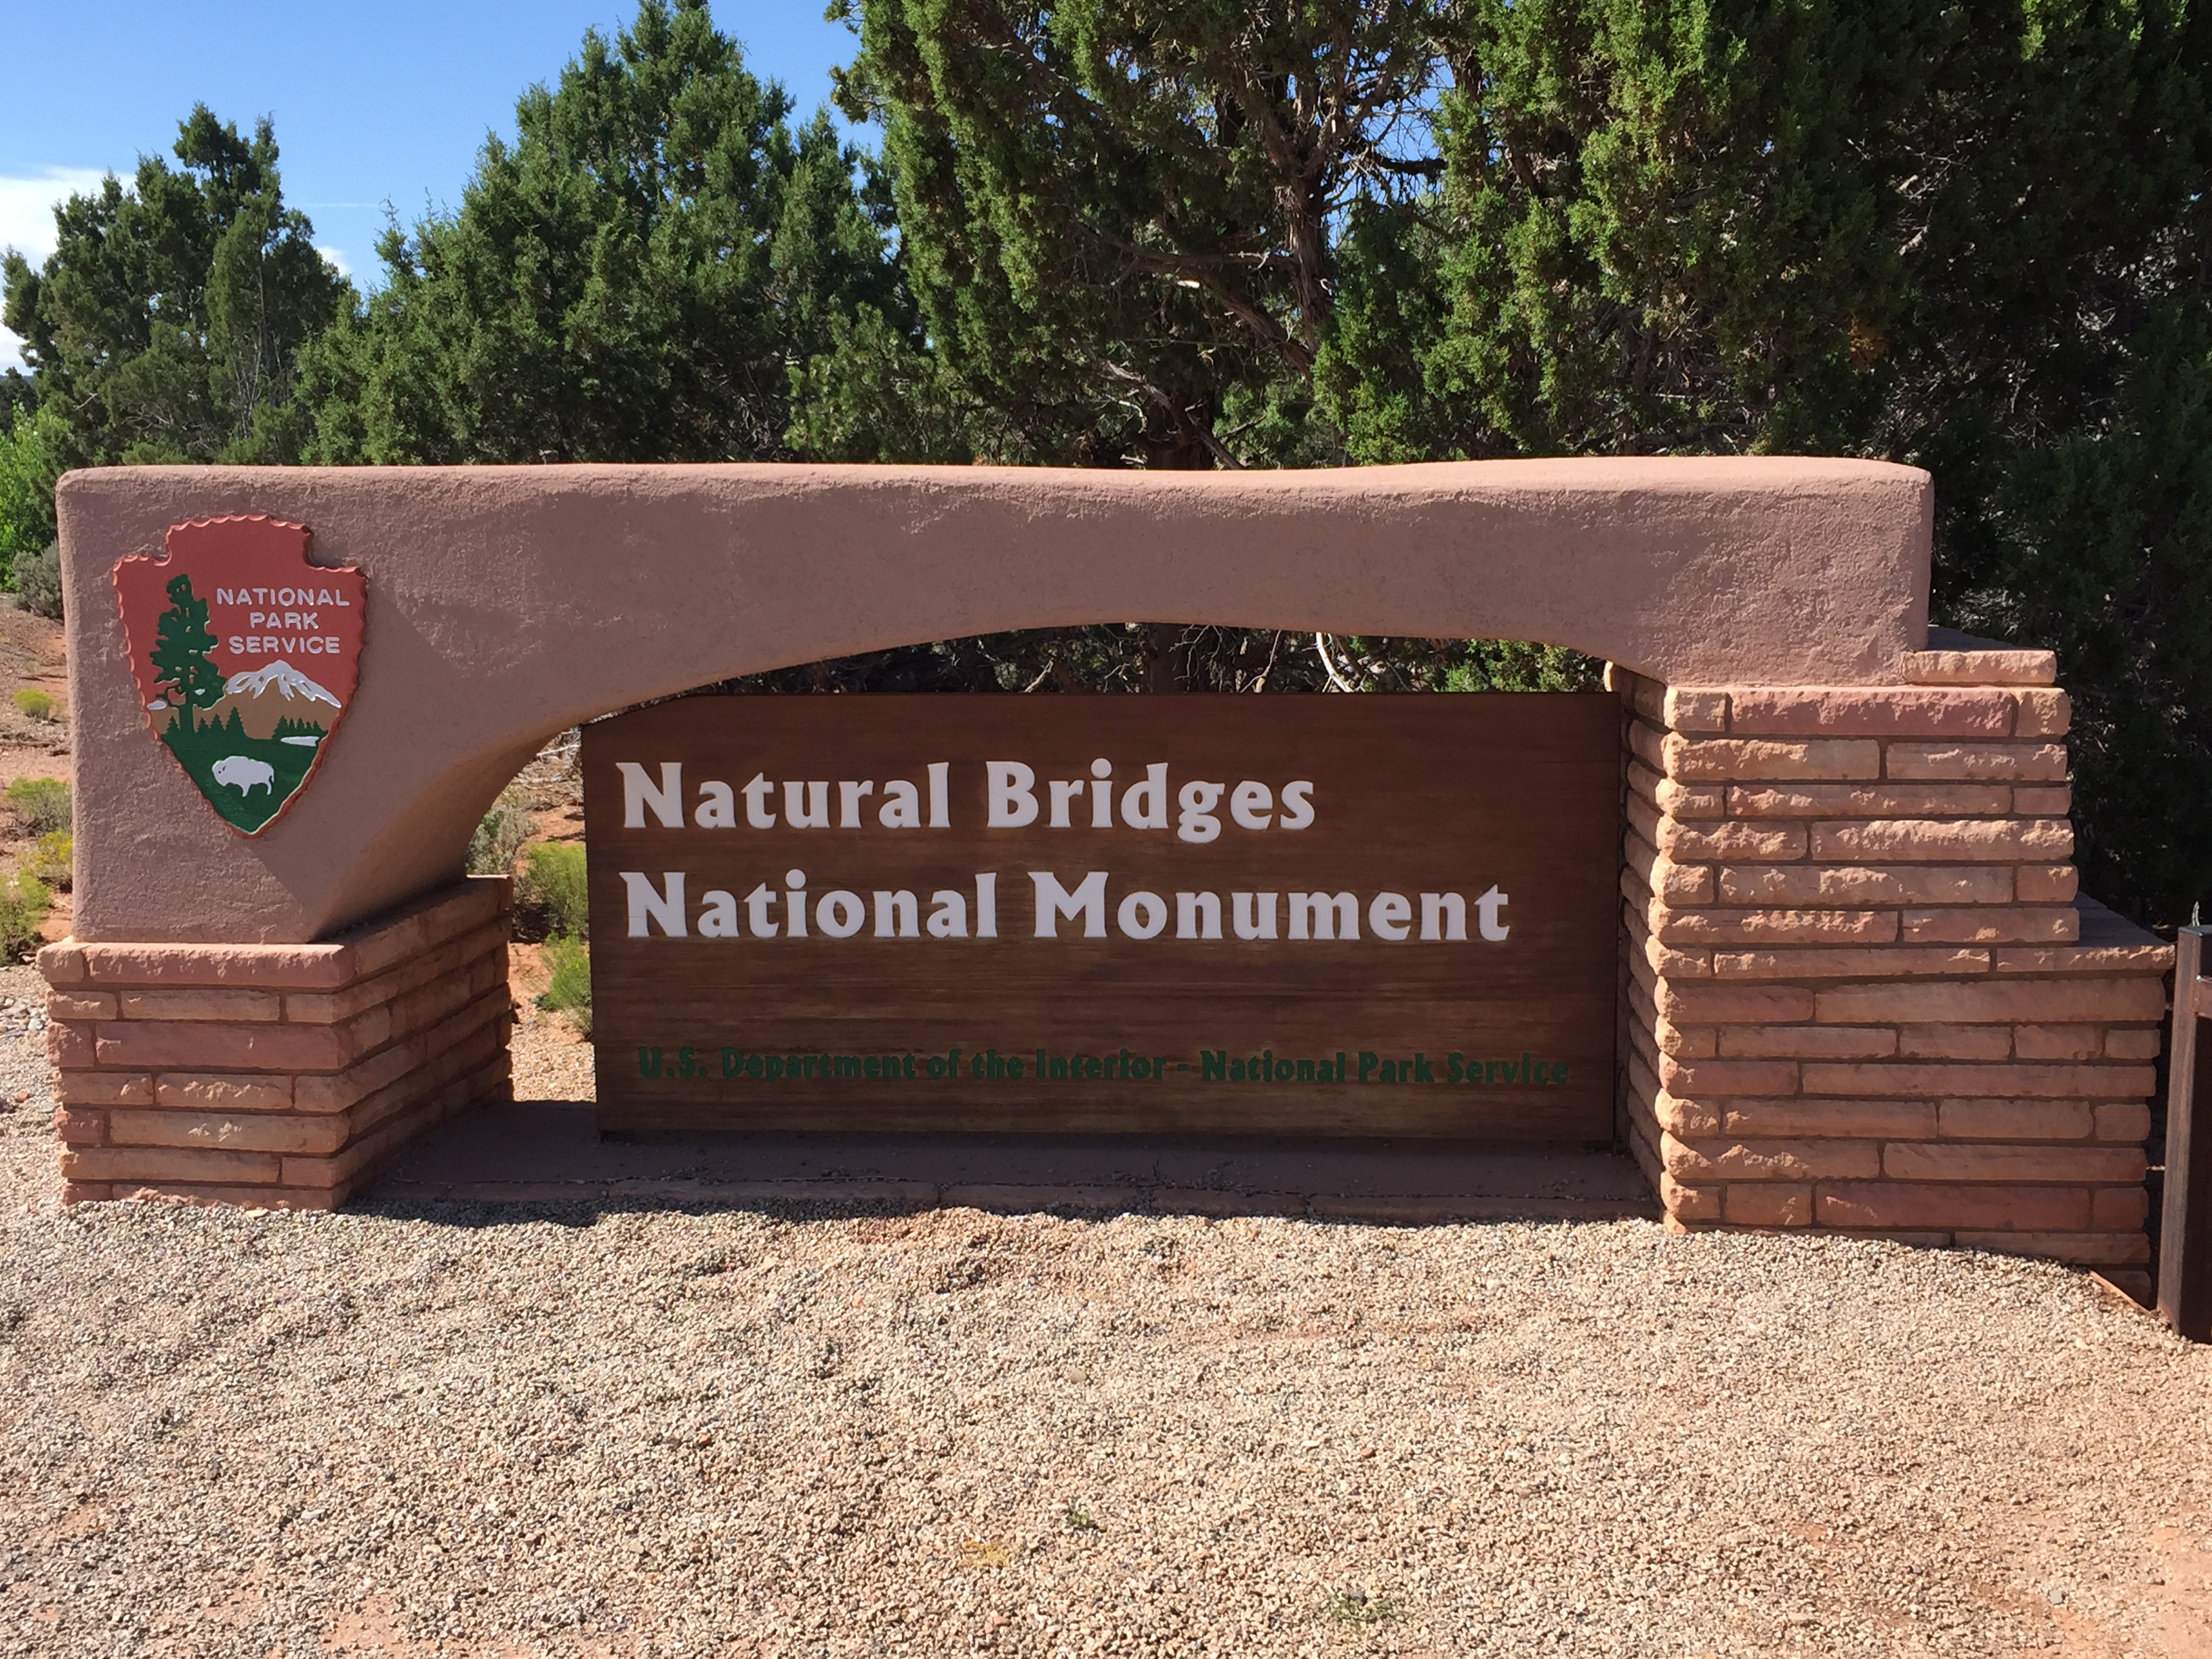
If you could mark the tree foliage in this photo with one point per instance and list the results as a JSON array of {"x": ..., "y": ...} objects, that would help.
[
  {"x": 166, "y": 323},
  {"x": 636, "y": 277},
  {"x": 29, "y": 443},
  {"x": 2100, "y": 543},
  {"x": 1120, "y": 220}
]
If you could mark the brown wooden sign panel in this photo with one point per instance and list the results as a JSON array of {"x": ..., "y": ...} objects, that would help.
[{"x": 1359, "y": 915}]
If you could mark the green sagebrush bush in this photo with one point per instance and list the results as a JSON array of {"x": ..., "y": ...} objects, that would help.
[
  {"x": 499, "y": 837},
  {"x": 53, "y": 860},
  {"x": 43, "y": 804},
  {"x": 24, "y": 903},
  {"x": 34, "y": 704},
  {"x": 569, "y": 989},
  {"x": 549, "y": 896},
  {"x": 39, "y": 581}
]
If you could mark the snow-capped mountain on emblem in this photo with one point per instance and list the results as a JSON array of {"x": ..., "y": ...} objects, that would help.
[
  {"x": 282, "y": 678},
  {"x": 215, "y": 628}
]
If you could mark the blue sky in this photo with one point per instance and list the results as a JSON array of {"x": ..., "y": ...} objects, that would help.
[{"x": 372, "y": 104}]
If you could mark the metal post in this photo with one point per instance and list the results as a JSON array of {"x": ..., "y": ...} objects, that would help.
[{"x": 2185, "y": 1257}]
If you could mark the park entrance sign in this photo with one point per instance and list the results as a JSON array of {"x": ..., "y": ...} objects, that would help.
[
  {"x": 1853, "y": 988},
  {"x": 1345, "y": 915}
]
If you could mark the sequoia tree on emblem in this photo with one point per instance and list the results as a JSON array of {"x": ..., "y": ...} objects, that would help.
[{"x": 245, "y": 657}]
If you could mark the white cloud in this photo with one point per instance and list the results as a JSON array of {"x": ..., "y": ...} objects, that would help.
[
  {"x": 27, "y": 206},
  {"x": 27, "y": 223},
  {"x": 335, "y": 259}
]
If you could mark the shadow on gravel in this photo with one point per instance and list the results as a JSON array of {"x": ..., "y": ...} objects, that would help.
[{"x": 545, "y": 1160}]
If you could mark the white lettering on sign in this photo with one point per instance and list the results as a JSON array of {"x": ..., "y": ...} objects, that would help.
[
  {"x": 1014, "y": 798},
  {"x": 650, "y": 903},
  {"x": 1198, "y": 915},
  {"x": 948, "y": 915},
  {"x": 1013, "y": 794},
  {"x": 1489, "y": 905},
  {"x": 1054, "y": 902},
  {"x": 1009, "y": 793},
  {"x": 310, "y": 645},
  {"x": 281, "y": 597},
  {"x": 1446, "y": 911},
  {"x": 639, "y": 792},
  {"x": 841, "y": 912},
  {"x": 1329, "y": 915}
]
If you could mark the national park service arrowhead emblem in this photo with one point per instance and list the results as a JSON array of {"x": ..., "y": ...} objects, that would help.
[{"x": 246, "y": 656}]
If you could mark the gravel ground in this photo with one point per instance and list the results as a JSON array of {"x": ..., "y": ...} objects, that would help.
[
  {"x": 555, "y": 1069},
  {"x": 551, "y": 1061},
  {"x": 530, "y": 1430}
]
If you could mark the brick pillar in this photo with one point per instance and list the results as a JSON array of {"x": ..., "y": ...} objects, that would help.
[
  {"x": 1860, "y": 992},
  {"x": 277, "y": 1075}
]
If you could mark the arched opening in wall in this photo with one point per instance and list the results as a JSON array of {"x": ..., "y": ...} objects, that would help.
[
  {"x": 533, "y": 833},
  {"x": 1177, "y": 657},
  {"x": 1250, "y": 916}
]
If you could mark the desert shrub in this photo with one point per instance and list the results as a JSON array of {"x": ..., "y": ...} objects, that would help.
[
  {"x": 53, "y": 860},
  {"x": 36, "y": 704},
  {"x": 43, "y": 804},
  {"x": 499, "y": 837},
  {"x": 549, "y": 896},
  {"x": 39, "y": 581},
  {"x": 569, "y": 989},
  {"x": 24, "y": 903}
]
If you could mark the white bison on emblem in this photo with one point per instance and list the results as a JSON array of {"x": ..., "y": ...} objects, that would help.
[{"x": 246, "y": 775}]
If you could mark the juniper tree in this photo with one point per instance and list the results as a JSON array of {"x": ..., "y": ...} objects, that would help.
[
  {"x": 165, "y": 325},
  {"x": 633, "y": 276},
  {"x": 1119, "y": 222}
]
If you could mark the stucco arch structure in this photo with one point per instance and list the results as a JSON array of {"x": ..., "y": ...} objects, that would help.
[
  {"x": 507, "y": 603},
  {"x": 1859, "y": 992}
]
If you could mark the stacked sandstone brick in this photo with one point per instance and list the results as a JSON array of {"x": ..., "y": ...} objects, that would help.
[
  {"x": 274, "y": 1074},
  {"x": 1861, "y": 994}
]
